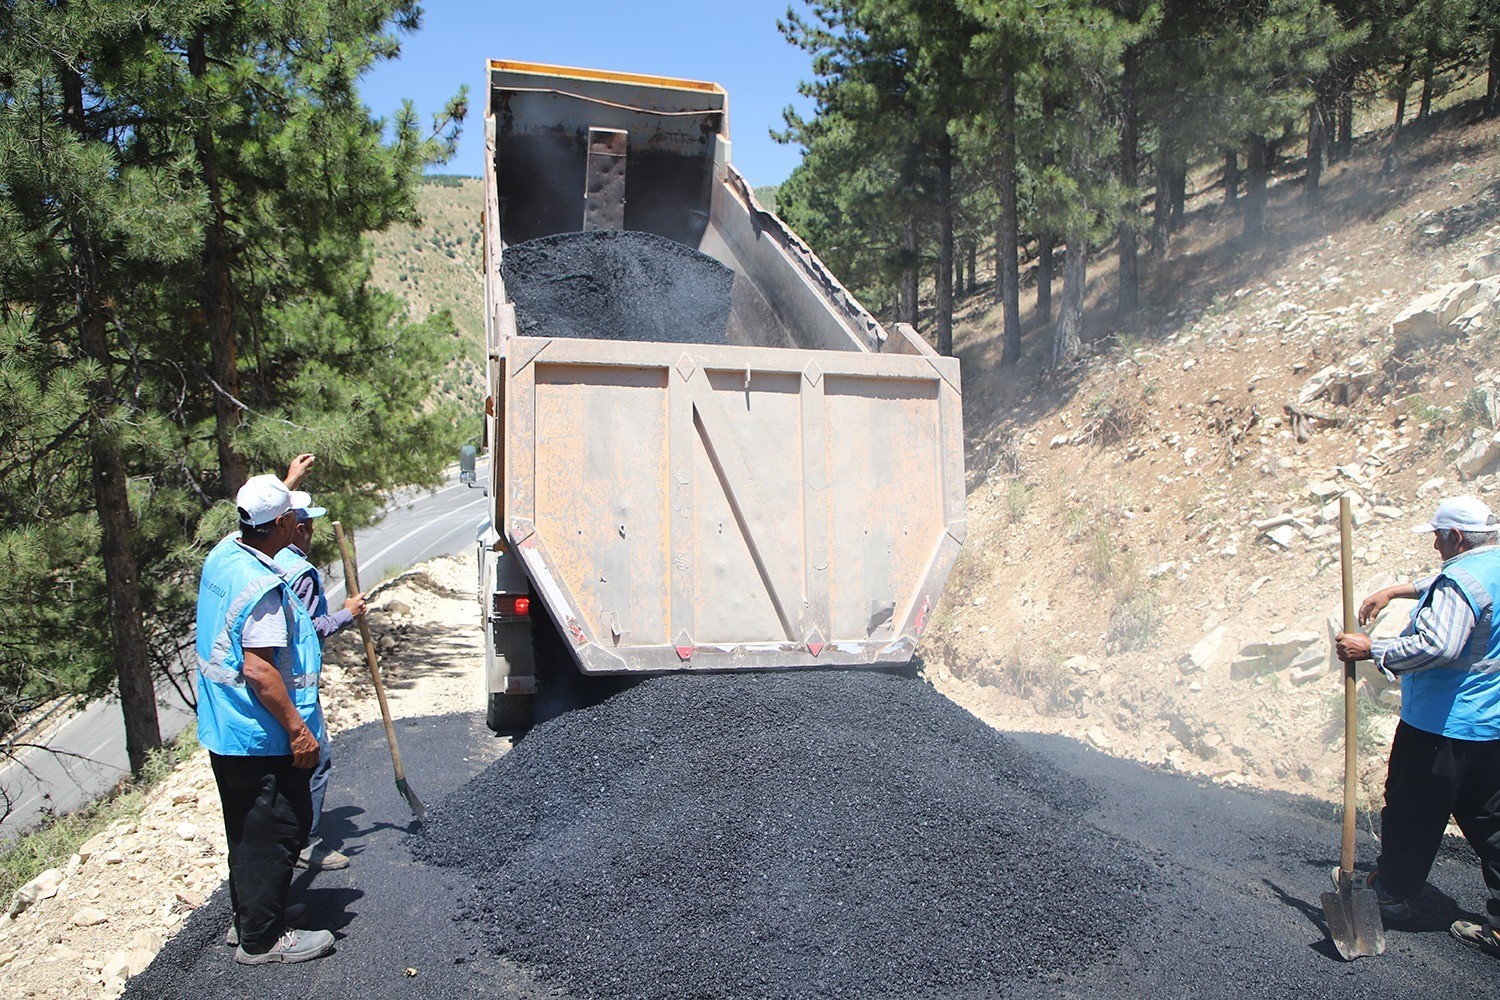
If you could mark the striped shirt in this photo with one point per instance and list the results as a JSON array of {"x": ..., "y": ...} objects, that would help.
[{"x": 1438, "y": 634}]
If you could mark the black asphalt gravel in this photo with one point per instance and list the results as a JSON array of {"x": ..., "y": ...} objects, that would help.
[
  {"x": 626, "y": 285},
  {"x": 821, "y": 835}
]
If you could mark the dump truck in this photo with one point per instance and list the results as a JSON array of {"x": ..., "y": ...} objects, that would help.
[{"x": 785, "y": 493}]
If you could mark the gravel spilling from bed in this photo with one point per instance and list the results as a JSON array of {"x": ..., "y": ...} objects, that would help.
[
  {"x": 610, "y": 285},
  {"x": 815, "y": 834}
]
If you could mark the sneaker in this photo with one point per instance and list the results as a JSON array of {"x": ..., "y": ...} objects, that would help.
[
  {"x": 1393, "y": 909},
  {"x": 294, "y": 915},
  {"x": 292, "y": 946},
  {"x": 1480, "y": 936},
  {"x": 320, "y": 858}
]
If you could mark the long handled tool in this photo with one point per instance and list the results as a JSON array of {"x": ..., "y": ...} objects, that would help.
[
  {"x": 351, "y": 586},
  {"x": 1353, "y": 912}
]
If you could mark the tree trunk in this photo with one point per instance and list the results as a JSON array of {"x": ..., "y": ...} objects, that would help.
[
  {"x": 1405, "y": 83},
  {"x": 1067, "y": 336},
  {"x": 1044, "y": 273},
  {"x": 1127, "y": 235},
  {"x": 1161, "y": 209},
  {"x": 944, "y": 293},
  {"x": 132, "y": 659},
  {"x": 958, "y": 271},
  {"x": 973, "y": 283},
  {"x": 1492, "y": 91},
  {"x": 1045, "y": 240},
  {"x": 1425, "y": 107},
  {"x": 1346, "y": 121},
  {"x": 1178, "y": 192},
  {"x": 1316, "y": 148},
  {"x": 1007, "y": 237},
  {"x": 1255, "y": 186},
  {"x": 907, "y": 312},
  {"x": 1231, "y": 176},
  {"x": 217, "y": 295}
]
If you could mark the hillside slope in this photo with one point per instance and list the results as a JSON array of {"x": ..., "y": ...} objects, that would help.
[
  {"x": 1121, "y": 582},
  {"x": 436, "y": 265}
]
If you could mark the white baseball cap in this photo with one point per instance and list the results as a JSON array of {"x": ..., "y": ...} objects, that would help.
[
  {"x": 1462, "y": 514},
  {"x": 303, "y": 505},
  {"x": 262, "y": 500}
]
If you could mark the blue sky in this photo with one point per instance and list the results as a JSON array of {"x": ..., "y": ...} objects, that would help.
[{"x": 731, "y": 42}]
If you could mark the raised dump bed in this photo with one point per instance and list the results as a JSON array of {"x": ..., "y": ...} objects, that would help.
[{"x": 706, "y": 455}]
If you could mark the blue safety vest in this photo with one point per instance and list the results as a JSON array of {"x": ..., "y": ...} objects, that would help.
[
  {"x": 294, "y": 566},
  {"x": 1461, "y": 699},
  {"x": 231, "y": 719}
]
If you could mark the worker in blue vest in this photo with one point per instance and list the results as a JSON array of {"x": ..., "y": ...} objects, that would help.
[
  {"x": 259, "y": 661},
  {"x": 307, "y": 586},
  {"x": 1445, "y": 757}
]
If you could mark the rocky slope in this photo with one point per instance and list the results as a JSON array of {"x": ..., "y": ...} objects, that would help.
[{"x": 1152, "y": 559}]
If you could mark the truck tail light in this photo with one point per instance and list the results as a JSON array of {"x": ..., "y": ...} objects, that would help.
[{"x": 511, "y": 606}]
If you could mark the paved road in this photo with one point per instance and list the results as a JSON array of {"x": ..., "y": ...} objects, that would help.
[
  {"x": 1248, "y": 865},
  {"x": 84, "y": 753}
]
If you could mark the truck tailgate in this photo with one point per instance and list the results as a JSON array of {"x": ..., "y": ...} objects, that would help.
[{"x": 685, "y": 507}]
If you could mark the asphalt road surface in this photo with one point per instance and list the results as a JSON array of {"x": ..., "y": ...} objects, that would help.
[
  {"x": 78, "y": 758},
  {"x": 1230, "y": 905}
]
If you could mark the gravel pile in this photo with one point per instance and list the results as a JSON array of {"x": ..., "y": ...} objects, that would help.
[
  {"x": 617, "y": 286},
  {"x": 799, "y": 834}
]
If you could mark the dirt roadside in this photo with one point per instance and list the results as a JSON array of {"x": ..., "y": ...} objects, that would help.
[{"x": 131, "y": 888}]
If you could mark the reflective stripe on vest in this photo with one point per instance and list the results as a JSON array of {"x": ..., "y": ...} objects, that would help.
[{"x": 1461, "y": 699}]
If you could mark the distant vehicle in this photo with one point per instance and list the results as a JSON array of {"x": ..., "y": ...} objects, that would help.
[
  {"x": 468, "y": 456},
  {"x": 791, "y": 499}
]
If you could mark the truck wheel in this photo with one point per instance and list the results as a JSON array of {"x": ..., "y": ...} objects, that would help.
[{"x": 510, "y": 714}]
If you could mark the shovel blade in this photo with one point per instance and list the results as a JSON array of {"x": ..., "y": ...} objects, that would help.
[{"x": 1353, "y": 917}]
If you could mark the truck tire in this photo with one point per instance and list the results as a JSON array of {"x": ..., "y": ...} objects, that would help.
[{"x": 510, "y": 714}]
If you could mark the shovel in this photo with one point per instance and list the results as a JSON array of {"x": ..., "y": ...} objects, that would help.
[
  {"x": 351, "y": 586},
  {"x": 1352, "y": 913}
]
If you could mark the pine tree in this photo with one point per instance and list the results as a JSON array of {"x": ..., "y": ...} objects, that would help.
[{"x": 184, "y": 292}]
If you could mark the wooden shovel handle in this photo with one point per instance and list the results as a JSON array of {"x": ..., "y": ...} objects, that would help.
[
  {"x": 1351, "y": 716},
  {"x": 351, "y": 586}
]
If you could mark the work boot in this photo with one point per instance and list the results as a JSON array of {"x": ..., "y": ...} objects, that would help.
[
  {"x": 292, "y": 946},
  {"x": 293, "y": 917},
  {"x": 319, "y": 857},
  {"x": 1480, "y": 936},
  {"x": 1393, "y": 909}
]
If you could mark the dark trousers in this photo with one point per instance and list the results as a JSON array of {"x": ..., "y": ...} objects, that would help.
[
  {"x": 1431, "y": 777},
  {"x": 267, "y": 812}
]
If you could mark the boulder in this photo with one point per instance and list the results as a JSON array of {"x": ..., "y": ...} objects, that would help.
[
  {"x": 1431, "y": 317},
  {"x": 1202, "y": 655},
  {"x": 90, "y": 916},
  {"x": 1480, "y": 457},
  {"x": 44, "y": 886},
  {"x": 1277, "y": 653},
  {"x": 1484, "y": 266}
]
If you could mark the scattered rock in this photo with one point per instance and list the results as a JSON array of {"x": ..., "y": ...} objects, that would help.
[
  {"x": 1202, "y": 655},
  {"x": 187, "y": 831},
  {"x": 94, "y": 844},
  {"x": 117, "y": 966},
  {"x": 90, "y": 917},
  {"x": 395, "y": 607},
  {"x": 44, "y": 886},
  {"x": 1433, "y": 317},
  {"x": 1283, "y": 536},
  {"x": 386, "y": 643},
  {"x": 1485, "y": 266},
  {"x": 1479, "y": 458}
]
